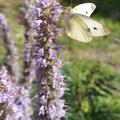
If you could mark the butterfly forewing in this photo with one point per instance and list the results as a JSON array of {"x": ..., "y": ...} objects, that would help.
[
  {"x": 84, "y": 9},
  {"x": 76, "y": 29}
]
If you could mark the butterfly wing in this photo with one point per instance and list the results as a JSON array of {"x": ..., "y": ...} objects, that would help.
[
  {"x": 96, "y": 28},
  {"x": 84, "y": 9},
  {"x": 76, "y": 29}
]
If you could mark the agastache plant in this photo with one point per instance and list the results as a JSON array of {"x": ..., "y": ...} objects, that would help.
[
  {"x": 11, "y": 57},
  {"x": 50, "y": 81},
  {"x": 28, "y": 71},
  {"x": 13, "y": 102}
]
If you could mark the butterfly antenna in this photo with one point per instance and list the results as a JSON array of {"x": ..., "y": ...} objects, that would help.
[{"x": 71, "y": 2}]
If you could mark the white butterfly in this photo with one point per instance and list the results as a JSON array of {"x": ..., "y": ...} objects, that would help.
[{"x": 80, "y": 27}]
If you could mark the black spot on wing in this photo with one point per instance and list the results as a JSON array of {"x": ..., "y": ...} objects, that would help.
[
  {"x": 94, "y": 28},
  {"x": 86, "y": 12}
]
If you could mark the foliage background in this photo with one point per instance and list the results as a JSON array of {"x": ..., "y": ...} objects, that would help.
[{"x": 92, "y": 70}]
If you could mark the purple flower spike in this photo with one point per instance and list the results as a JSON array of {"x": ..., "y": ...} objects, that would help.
[
  {"x": 46, "y": 49},
  {"x": 14, "y": 100}
]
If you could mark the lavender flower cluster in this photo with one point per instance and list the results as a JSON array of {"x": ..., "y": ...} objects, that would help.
[
  {"x": 13, "y": 103},
  {"x": 51, "y": 84},
  {"x": 11, "y": 57},
  {"x": 28, "y": 70}
]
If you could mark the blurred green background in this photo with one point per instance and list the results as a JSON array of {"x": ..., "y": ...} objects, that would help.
[{"x": 92, "y": 70}]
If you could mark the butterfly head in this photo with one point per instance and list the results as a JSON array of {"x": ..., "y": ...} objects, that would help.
[{"x": 66, "y": 9}]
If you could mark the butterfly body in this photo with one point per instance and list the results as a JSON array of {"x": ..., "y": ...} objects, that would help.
[{"x": 80, "y": 27}]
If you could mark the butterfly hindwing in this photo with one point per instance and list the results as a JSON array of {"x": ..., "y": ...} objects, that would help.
[{"x": 76, "y": 29}]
